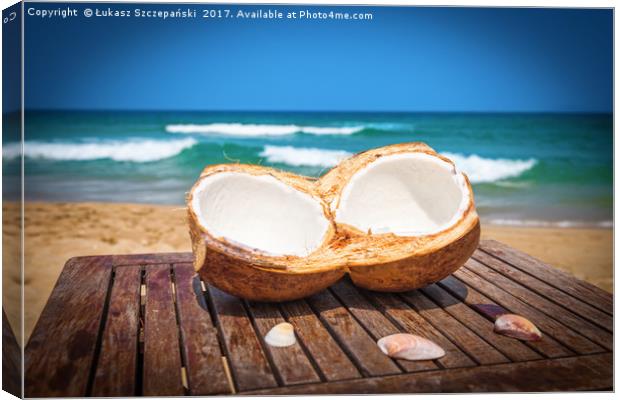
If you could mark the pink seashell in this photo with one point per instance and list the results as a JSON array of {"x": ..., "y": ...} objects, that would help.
[
  {"x": 410, "y": 347},
  {"x": 517, "y": 327}
]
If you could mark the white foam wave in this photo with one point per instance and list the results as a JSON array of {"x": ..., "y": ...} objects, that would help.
[
  {"x": 303, "y": 156},
  {"x": 481, "y": 170},
  {"x": 551, "y": 224},
  {"x": 134, "y": 150},
  {"x": 477, "y": 168},
  {"x": 250, "y": 130}
]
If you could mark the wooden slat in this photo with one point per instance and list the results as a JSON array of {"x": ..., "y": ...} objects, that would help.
[
  {"x": 199, "y": 344},
  {"x": 162, "y": 356},
  {"x": 549, "y": 326},
  {"x": 592, "y": 372},
  {"x": 11, "y": 360},
  {"x": 513, "y": 349},
  {"x": 249, "y": 364},
  {"x": 547, "y": 345},
  {"x": 153, "y": 258},
  {"x": 351, "y": 335},
  {"x": 577, "y": 306},
  {"x": 373, "y": 320},
  {"x": 582, "y": 290},
  {"x": 329, "y": 357},
  {"x": 468, "y": 341},
  {"x": 291, "y": 362},
  {"x": 578, "y": 324},
  {"x": 61, "y": 349},
  {"x": 412, "y": 322},
  {"x": 116, "y": 369}
]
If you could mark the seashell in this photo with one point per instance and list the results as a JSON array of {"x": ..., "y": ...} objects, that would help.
[
  {"x": 281, "y": 335},
  {"x": 410, "y": 347},
  {"x": 517, "y": 327}
]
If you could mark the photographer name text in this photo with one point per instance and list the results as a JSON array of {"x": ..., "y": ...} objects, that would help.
[{"x": 193, "y": 13}]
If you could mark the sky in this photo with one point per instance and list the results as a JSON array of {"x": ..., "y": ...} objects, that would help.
[{"x": 404, "y": 59}]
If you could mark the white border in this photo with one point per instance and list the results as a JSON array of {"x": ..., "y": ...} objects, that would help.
[{"x": 467, "y": 3}]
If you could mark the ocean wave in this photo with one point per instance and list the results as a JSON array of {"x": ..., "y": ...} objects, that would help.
[
  {"x": 303, "y": 156},
  {"x": 485, "y": 170},
  {"x": 478, "y": 169},
  {"x": 551, "y": 224},
  {"x": 250, "y": 130},
  {"x": 133, "y": 150}
]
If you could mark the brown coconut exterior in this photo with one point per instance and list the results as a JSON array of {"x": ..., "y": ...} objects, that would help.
[
  {"x": 253, "y": 276},
  {"x": 391, "y": 263},
  {"x": 384, "y": 262}
]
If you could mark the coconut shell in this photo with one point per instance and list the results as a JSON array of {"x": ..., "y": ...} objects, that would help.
[{"x": 383, "y": 262}]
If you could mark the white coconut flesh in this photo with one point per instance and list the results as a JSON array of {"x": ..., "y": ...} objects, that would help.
[
  {"x": 410, "y": 194},
  {"x": 260, "y": 212}
]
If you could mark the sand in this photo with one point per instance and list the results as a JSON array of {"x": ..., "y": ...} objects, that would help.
[{"x": 56, "y": 232}]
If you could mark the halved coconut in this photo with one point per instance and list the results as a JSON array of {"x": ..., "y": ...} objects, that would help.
[
  {"x": 408, "y": 215},
  {"x": 254, "y": 228},
  {"x": 396, "y": 218}
]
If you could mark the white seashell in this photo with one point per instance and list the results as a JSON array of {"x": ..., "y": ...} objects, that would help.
[
  {"x": 410, "y": 347},
  {"x": 281, "y": 335},
  {"x": 517, "y": 327}
]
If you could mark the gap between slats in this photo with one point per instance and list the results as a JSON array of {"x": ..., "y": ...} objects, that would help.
[
  {"x": 305, "y": 349},
  {"x": 586, "y": 309},
  {"x": 559, "y": 340},
  {"x": 439, "y": 328},
  {"x": 485, "y": 300},
  {"x": 261, "y": 340},
  {"x": 564, "y": 316},
  {"x": 141, "y": 316},
  {"x": 223, "y": 351},
  {"x": 173, "y": 288},
  {"x": 360, "y": 323},
  {"x": 220, "y": 339},
  {"x": 593, "y": 295},
  {"x": 349, "y": 351},
  {"x": 99, "y": 340}
]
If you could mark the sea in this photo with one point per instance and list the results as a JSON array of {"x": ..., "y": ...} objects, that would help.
[{"x": 526, "y": 169}]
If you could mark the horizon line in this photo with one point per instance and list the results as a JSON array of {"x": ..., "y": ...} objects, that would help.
[{"x": 313, "y": 111}]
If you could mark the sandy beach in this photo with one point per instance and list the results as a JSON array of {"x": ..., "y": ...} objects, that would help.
[{"x": 56, "y": 232}]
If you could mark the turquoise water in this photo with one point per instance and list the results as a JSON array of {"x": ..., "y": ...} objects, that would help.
[{"x": 537, "y": 169}]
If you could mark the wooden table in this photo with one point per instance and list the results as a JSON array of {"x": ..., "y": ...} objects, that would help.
[{"x": 146, "y": 325}]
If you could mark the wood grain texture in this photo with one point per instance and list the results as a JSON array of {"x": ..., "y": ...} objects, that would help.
[
  {"x": 162, "y": 355},
  {"x": 475, "y": 347},
  {"x": 249, "y": 365},
  {"x": 329, "y": 357},
  {"x": 414, "y": 323},
  {"x": 561, "y": 280},
  {"x": 373, "y": 320},
  {"x": 153, "y": 258},
  {"x": 547, "y": 346},
  {"x": 569, "y": 374},
  {"x": 116, "y": 368},
  {"x": 513, "y": 349},
  {"x": 553, "y": 310},
  {"x": 549, "y": 326},
  {"x": 11, "y": 360},
  {"x": 559, "y": 297},
  {"x": 351, "y": 336},
  {"x": 86, "y": 340},
  {"x": 61, "y": 349},
  {"x": 292, "y": 364},
  {"x": 199, "y": 343}
]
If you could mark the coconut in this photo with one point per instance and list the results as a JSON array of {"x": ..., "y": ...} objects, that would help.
[{"x": 395, "y": 218}]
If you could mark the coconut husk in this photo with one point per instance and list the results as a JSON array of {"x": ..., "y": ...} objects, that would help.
[{"x": 383, "y": 262}]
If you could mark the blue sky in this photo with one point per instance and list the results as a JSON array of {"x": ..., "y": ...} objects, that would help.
[{"x": 405, "y": 59}]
